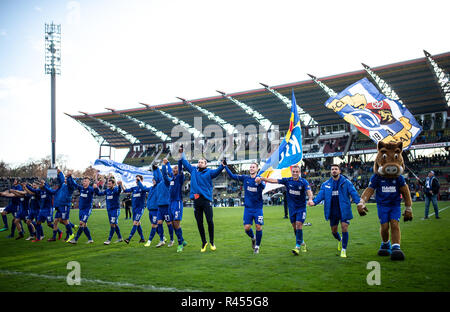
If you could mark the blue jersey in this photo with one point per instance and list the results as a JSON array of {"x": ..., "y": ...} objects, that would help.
[
  {"x": 162, "y": 188},
  {"x": 253, "y": 192},
  {"x": 112, "y": 197},
  {"x": 175, "y": 182},
  {"x": 295, "y": 192},
  {"x": 137, "y": 197},
  {"x": 25, "y": 203},
  {"x": 63, "y": 196},
  {"x": 86, "y": 197},
  {"x": 16, "y": 200},
  {"x": 34, "y": 201},
  {"x": 387, "y": 190},
  {"x": 46, "y": 199},
  {"x": 201, "y": 179},
  {"x": 152, "y": 203}
]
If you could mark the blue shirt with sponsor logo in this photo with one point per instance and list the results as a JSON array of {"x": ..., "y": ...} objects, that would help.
[
  {"x": 387, "y": 190},
  {"x": 175, "y": 182},
  {"x": 86, "y": 197},
  {"x": 112, "y": 197},
  {"x": 253, "y": 192},
  {"x": 137, "y": 197},
  {"x": 295, "y": 192},
  {"x": 34, "y": 201},
  {"x": 16, "y": 200}
]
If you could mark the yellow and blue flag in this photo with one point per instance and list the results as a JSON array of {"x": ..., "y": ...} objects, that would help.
[
  {"x": 375, "y": 115},
  {"x": 289, "y": 153}
]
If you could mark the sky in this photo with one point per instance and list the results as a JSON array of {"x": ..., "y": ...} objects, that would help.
[{"x": 119, "y": 53}]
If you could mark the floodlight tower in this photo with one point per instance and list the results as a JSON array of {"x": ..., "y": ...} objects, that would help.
[{"x": 53, "y": 68}]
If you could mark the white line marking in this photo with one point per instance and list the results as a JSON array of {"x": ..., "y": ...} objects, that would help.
[
  {"x": 438, "y": 211},
  {"x": 85, "y": 280}
]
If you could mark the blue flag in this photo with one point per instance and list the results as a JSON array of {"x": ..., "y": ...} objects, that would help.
[
  {"x": 374, "y": 114},
  {"x": 290, "y": 151},
  {"x": 123, "y": 172}
]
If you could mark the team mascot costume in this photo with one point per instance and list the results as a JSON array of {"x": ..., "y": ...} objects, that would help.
[{"x": 388, "y": 184}]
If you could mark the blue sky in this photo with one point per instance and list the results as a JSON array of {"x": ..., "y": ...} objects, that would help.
[{"x": 118, "y": 53}]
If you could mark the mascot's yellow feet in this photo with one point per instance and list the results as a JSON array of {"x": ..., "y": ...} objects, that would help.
[
  {"x": 343, "y": 253},
  {"x": 340, "y": 245}
]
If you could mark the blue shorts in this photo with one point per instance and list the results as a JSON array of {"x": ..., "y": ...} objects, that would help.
[
  {"x": 21, "y": 214},
  {"x": 113, "y": 216},
  {"x": 11, "y": 208},
  {"x": 45, "y": 215},
  {"x": 335, "y": 221},
  {"x": 298, "y": 215},
  {"x": 164, "y": 213},
  {"x": 386, "y": 214},
  {"x": 84, "y": 214},
  {"x": 153, "y": 216},
  {"x": 137, "y": 214},
  {"x": 250, "y": 215},
  {"x": 63, "y": 213},
  {"x": 32, "y": 215},
  {"x": 176, "y": 210}
]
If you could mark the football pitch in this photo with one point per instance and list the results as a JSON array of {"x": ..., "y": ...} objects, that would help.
[{"x": 42, "y": 266}]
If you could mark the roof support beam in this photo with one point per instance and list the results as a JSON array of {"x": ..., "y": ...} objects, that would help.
[
  {"x": 142, "y": 124},
  {"x": 383, "y": 85},
  {"x": 324, "y": 87},
  {"x": 100, "y": 140},
  {"x": 305, "y": 118},
  {"x": 229, "y": 128},
  {"x": 129, "y": 137},
  {"x": 443, "y": 78},
  {"x": 176, "y": 121},
  {"x": 263, "y": 121}
]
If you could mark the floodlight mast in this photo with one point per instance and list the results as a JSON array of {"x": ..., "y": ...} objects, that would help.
[{"x": 53, "y": 68}]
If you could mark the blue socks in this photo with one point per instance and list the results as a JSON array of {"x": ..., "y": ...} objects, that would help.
[
  {"x": 139, "y": 229},
  {"x": 88, "y": 233},
  {"x": 13, "y": 228},
  {"x": 336, "y": 235},
  {"x": 299, "y": 237},
  {"x": 118, "y": 232},
  {"x": 250, "y": 233},
  {"x": 152, "y": 234},
  {"x": 179, "y": 233},
  {"x": 54, "y": 234},
  {"x": 133, "y": 230},
  {"x": 40, "y": 231},
  {"x": 111, "y": 233},
  {"x": 170, "y": 227},
  {"x": 5, "y": 221},
  {"x": 80, "y": 230},
  {"x": 160, "y": 231},
  {"x": 344, "y": 240},
  {"x": 258, "y": 237}
]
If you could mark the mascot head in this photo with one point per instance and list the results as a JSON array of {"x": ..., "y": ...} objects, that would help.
[{"x": 389, "y": 162}]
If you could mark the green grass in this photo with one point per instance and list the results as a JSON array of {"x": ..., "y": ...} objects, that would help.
[{"x": 233, "y": 266}]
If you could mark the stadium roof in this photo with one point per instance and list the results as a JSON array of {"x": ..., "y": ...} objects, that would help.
[{"x": 414, "y": 81}]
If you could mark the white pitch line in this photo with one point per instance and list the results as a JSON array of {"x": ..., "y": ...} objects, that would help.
[
  {"x": 85, "y": 280},
  {"x": 438, "y": 211}
]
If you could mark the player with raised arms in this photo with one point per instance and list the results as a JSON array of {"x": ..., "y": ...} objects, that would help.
[
  {"x": 84, "y": 206},
  {"x": 201, "y": 193},
  {"x": 138, "y": 204},
  {"x": 253, "y": 202},
  {"x": 175, "y": 198},
  {"x": 112, "y": 193}
]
